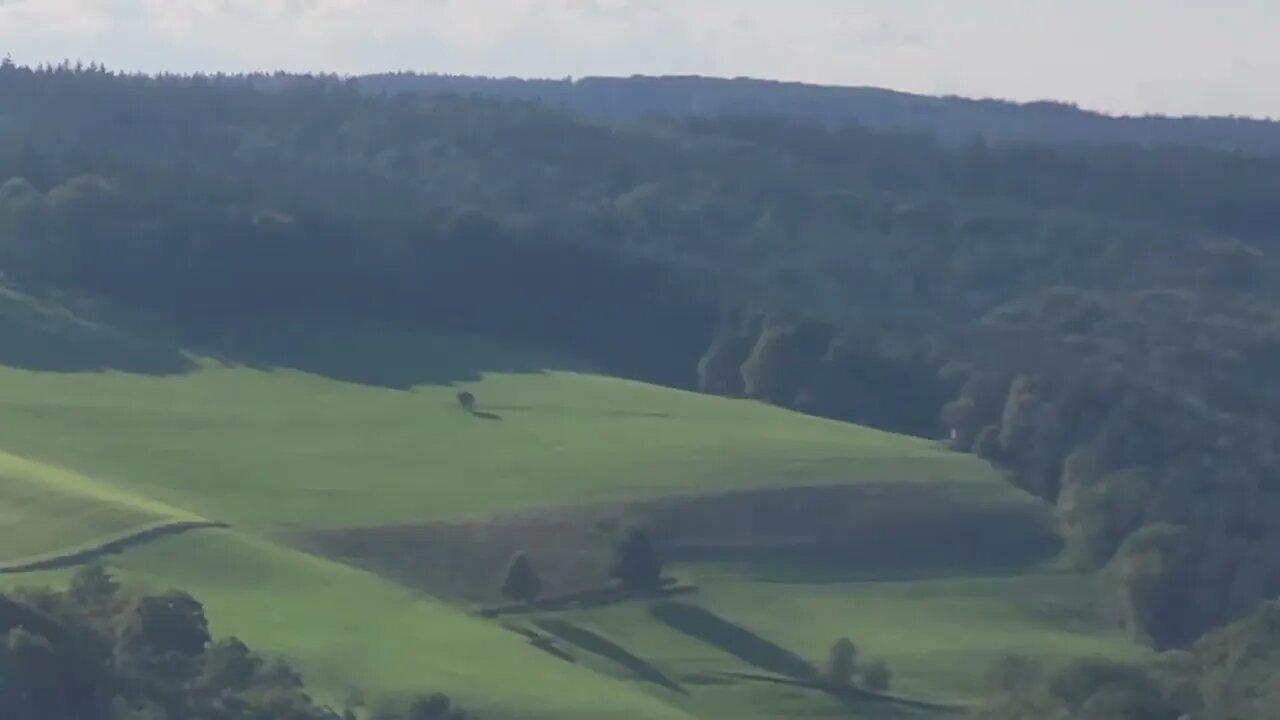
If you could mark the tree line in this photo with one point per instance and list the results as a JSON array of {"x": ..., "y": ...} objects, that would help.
[
  {"x": 952, "y": 118},
  {"x": 1232, "y": 672}
]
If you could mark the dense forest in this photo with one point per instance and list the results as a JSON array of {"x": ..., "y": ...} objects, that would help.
[
  {"x": 1101, "y": 322},
  {"x": 954, "y": 119}
]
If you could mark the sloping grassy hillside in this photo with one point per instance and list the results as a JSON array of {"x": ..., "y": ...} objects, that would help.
[
  {"x": 271, "y": 446},
  {"x": 46, "y": 512},
  {"x": 347, "y": 630},
  {"x": 939, "y": 634},
  {"x": 285, "y": 425}
]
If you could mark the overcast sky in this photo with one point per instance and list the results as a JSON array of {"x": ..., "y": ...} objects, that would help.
[{"x": 1171, "y": 56}]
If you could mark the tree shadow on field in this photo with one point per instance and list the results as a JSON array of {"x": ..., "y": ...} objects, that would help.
[
  {"x": 579, "y": 411},
  {"x": 704, "y": 625}
]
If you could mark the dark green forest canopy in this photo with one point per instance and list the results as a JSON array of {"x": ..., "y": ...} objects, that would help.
[
  {"x": 1099, "y": 320},
  {"x": 952, "y": 118},
  {"x": 1233, "y": 672}
]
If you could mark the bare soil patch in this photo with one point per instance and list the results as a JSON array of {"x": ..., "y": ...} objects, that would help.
[{"x": 862, "y": 527}]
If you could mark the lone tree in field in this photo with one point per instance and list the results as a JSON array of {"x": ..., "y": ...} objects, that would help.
[
  {"x": 522, "y": 583},
  {"x": 467, "y": 401},
  {"x": 636, "y": 564},
  {"x": 842, "y": 663}
]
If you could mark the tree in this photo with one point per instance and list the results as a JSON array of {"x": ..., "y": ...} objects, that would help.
[
  {"x": 93, "y": 588},
  {"x": 229, "y": 665},
  {"x": 162, "y": 638},
  {"x": 876, "y": 677},
  {"x": 842, "y": 663},
  {"x": 959, "y": 419},
  {"x": 719, "y": 369},
  {"x": 467, "y": 401},
  {"x": 434, "y": 707},
  {"x": 636, "y": 563},
  {"x": 29, "y": 675},
  {"x": 1018, "y": 421},
  {"x": 1147, "y": 581},
  {"x": 987, "y": 444},
  {"x": 772, "y": 371},
  {"x": 522, "y": 583},
  {"x": 56, "y": 661},
  {"x": 1098, "y": 509}
]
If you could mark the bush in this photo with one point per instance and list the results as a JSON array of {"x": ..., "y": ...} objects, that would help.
[
  {"x": 636, "y": 563},
  {"x": 772, "y": 371},
  {"x": 842, "y": 662},
  {"x": 959, "y": 418},
  {"x": 467, "y": 401},
  {"x": 876, "y": 677},
  {"x": 1018, "y": 420},
  {"x": 522, "y": 583},
  {"x": 720, "y": 368},
  {"x": 1149, "y": 579},
  {"x": 987, "y": 444}
]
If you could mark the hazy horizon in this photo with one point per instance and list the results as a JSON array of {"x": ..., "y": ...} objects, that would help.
[{"x": 1176, "y": 57}]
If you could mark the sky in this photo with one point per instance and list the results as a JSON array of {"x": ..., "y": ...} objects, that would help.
[{"x": 1121, "y": 56}]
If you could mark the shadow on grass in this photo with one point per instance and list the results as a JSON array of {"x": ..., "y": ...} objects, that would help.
[
  {"x": 805, "y": 569},
  {"x": 584, "y": 599},
  {"x": 706, "y": 626},
  {"x": 549, "y": 647},
  {"x": 602, "y": 646},
  {"x": 785, "y": 667},
  {"x": 887, "y": 706},
  {"x": 578, "y": 411}
]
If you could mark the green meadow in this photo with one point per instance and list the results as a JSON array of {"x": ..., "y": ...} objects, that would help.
[{"x": 286, "y": 424}]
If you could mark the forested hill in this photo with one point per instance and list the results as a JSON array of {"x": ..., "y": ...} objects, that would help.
[
  {"x": 954, "y": 119},
  {"x": 1104, "y": 323}
]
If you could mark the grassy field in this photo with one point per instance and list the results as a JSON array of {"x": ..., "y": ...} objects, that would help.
[
  {"x": 287, "y": 425},
  {"x": 221, "y": 439},
  {"x": 345, "y": 629},
  {"x": 939, "y": 635},
  {"x": 46, "y": 511}
]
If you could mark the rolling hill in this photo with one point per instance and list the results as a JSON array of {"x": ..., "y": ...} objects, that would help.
[
  {"x": 288, "y": 428},
  {"x": 955, "y": 119}
]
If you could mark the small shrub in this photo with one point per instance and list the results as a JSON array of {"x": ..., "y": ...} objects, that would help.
[
  {"x": 876, "y": 677},
  {"x": 522, "y": 583},
  {"x": 987, "y": 444},
  {"x": 467, "y": 401},
  {"x": 842, "y": 662},
  {"x": 636, "y": 563}
]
